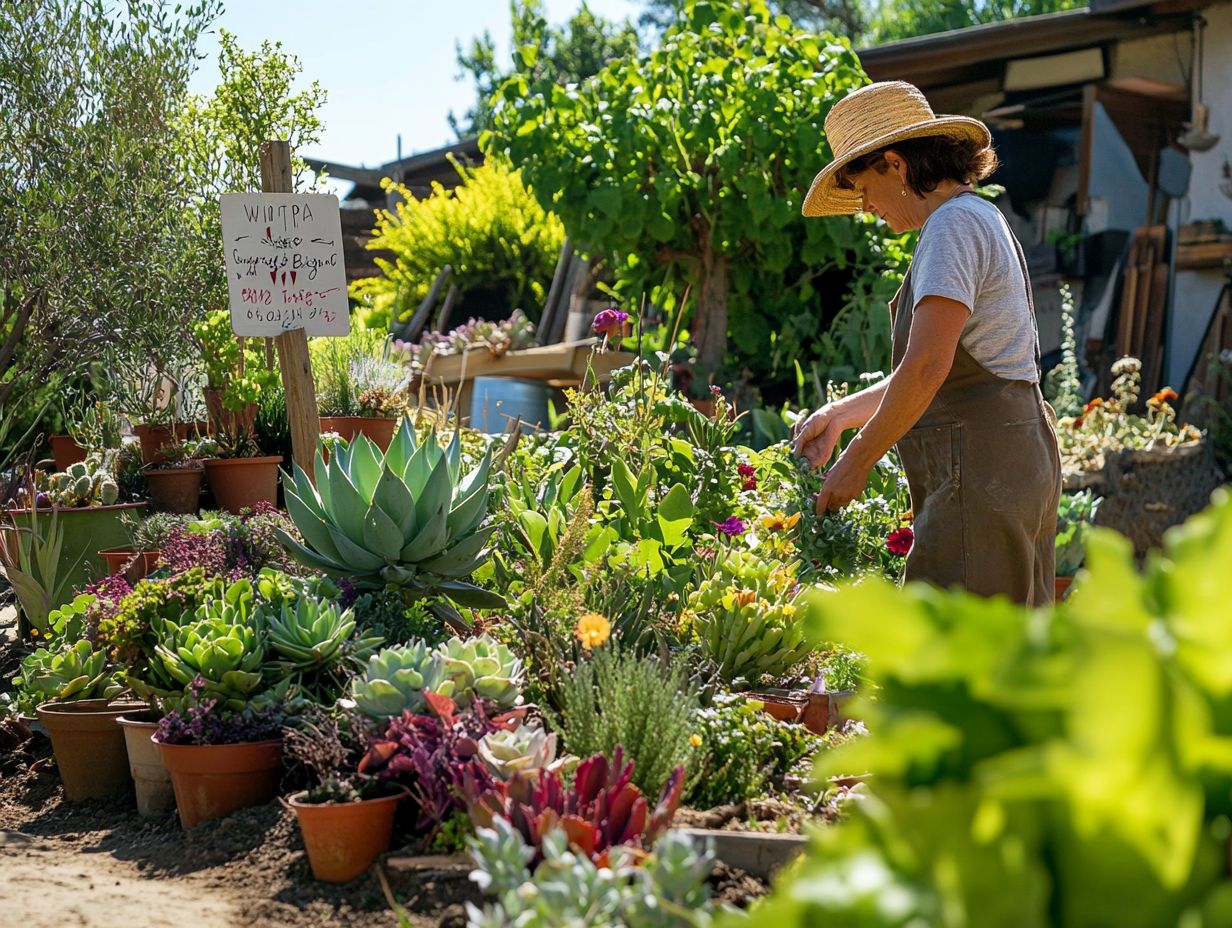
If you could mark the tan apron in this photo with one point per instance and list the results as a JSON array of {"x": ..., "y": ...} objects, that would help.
[{"x": 985, "y": 477}]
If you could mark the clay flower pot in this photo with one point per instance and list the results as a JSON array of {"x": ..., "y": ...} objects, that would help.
[
  {"x": 211, "y": 780},
  {"x": 152, "y": 438},
  {"x": 86, "y": 530},
  {"x": 381, "y": 431},
  {"x": 241, "y": 483},
  {"x": 89, "y": 746},
  {"x": 187, "y": 430},
  {"x": 344, "y": 838},
  {"x": 1062, "y": 587},
  {"x": 65, "y": 451},
  {"x": 155, "y": 797},
  {"x": 174, "y": 489},
  {"x": 134, "y": 565}
]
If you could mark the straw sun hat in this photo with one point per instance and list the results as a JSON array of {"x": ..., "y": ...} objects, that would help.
[{"x": 871, "y": 118}]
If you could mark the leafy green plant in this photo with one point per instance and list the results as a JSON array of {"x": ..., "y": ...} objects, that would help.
[
  {"x": 1075, "y": 520},
  {"x": 131, "y": 632},
  {"x": 744, "y": 616},
  {"x": 744, "y": 753},
  {"x": 358, "y": 375},
  {"x": 233, "y": 365},
  {"x": 641, "y": 704},
  {"x": 501, "y": 244},
  {"x": 72, "y": 672},
  {"x": 393, "y": 617},
  {"x": 30, "y": 560},
  {"x": 406, "y": 517},
  {"x": 668, "y": 890},
  {"x": 689, "y": 163},
  {"x": 1062, "y": 768}
]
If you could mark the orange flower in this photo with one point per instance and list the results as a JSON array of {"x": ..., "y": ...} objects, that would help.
[
  {"x": 1092, "y": 405},
  {"x": 695, "y": 740},
  {"x": 593, "y": 630},
  {"x": 744, "y": 597},
  {"x": 779, "y": 522},
  {"x": 1166, "y": 395}
]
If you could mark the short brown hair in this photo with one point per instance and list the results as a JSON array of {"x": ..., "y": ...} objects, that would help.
[{"x": 930, "y": 160}]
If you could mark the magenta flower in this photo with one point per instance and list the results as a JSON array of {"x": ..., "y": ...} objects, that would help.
[
  {"x": 611, "y": 322},
  {"x": 731, "y": 526},
  {"x": 750, "y": 483},
  {"x": 899, "y": 541},
  {"x": 745, "y": 470}
]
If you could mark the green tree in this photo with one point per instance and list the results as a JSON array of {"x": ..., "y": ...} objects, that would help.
[
  {"x": 891, "y": 21},
  {"x": 564, "y": 54},
  {"x": 88, "y": 192},
  {"x": 217, "y": 143},
  {"x": 842, "y": 17},
  {"x": 687, "y": 167}
]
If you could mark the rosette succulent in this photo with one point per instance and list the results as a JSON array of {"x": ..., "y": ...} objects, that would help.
[
  {"x": 76, "y": 672},
  {"x": 311, "y": 634},
  {"x": 394, "y": 679},
  {"x": 407, "y": 517},
  {"x": 480, "y": 667},
  {"x": 745, "y": 617},
  {"x": 526, "y": 748}
]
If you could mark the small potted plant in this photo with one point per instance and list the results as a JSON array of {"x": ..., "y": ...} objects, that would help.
[
  {"x": 235, "y": 375},
  {"x": 361, "y": 389},
  {"x": 220, "y": 759},
  {"x": 175, "y": 479},
  {"x": 346, "y": 817},
  {"x": 1075, "y": 516},
  {"x": 240, "y": 476},
  {"x": 92, "y": 426}
]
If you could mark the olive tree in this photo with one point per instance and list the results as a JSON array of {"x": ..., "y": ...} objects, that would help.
[
  {"x": 689, "y": 163},
  {"x": 89, "y": 211}
]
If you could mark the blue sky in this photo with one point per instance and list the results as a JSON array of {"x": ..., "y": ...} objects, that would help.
[{"x": 388, "y": 65}]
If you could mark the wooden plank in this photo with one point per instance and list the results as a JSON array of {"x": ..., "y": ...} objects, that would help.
[
  {"x": 551, "y": 305},
  {"x": 293, "y": 359},
  {"x": 1205, "y": 255},
  {"x": 414, "y": 329}
]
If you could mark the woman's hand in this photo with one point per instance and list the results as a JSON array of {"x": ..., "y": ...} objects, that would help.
[
  {"x": 816, "y": 437},
  {"x": 844, "y": 483}
]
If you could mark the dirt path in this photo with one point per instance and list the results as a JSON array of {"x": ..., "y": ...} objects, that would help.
[{"x": 49, "y": 885}]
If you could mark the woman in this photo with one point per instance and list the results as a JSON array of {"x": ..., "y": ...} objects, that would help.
[{"x": 963, "y": 401}]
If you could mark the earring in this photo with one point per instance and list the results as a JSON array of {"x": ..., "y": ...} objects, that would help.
[{"x": 904, "y": 193}]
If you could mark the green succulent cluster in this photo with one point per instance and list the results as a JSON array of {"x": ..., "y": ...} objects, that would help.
[
  {"x": 395, "y": 679},
  {"x": 746, "y": 617},
  {"x": 81, "y": 485},
  {"x": 311, "y": 634},
  {"x": 666, "y": 890},
  {"x": 75, "y": 672},
  {"x": 407, "y": 518},
  {"x": 221, "y": 643}
]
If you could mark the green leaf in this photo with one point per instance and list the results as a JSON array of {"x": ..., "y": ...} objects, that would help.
[{"x": 675, "y": 516}]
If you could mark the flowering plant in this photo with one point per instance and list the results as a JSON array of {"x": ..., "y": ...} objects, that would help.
[
  {"x": 612, "y": 324},
  {"x": 205, "y": 721},
  {"x": 512, "y": 334},
  {"x": 1105, "y": 426}
]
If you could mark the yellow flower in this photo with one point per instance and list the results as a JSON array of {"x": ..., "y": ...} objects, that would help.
[
  {"x": 779, "y": 522},
  {"x": 593, "y": 629},
  {"x": 788, "y": 610},
  {"x": 695, "y": 740}
]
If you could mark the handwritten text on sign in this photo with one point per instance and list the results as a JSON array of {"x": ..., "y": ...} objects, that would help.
[{"x": 284, "y": 263}]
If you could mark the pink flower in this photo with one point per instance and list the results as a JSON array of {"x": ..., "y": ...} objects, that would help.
[
  {"x": 750, "y": 483},
  {"x": 731, "y": 526},
  {"x": 899, "y": 541},
  {"x": 611, "y": 322},
  {"x": 745, "y": 470}
]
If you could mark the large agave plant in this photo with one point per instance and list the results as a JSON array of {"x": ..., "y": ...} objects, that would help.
[{"x": 406, "y": 517}]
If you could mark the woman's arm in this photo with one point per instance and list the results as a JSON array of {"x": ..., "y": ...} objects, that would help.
[
  {"x": 936, "y": 327},
  {"x": 816, "y": 437}
]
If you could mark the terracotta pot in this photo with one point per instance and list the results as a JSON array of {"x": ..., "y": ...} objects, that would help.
[
  {"x": 344, "y": 838},
  {"x": 155, "y": 797},
  {"x": 211, "y": 780},
  {"x": 86, "y": 531},
  {"x": 152, "y": 438},
  {"x": 174, "y": 489},
  {"x": 1062, "y": 587},
  {"x": 241, "y": 483},
  {"x": 134, "y": 565},
  {"x": 65, "y": 451},
  {"x": 222, "y": 419},
  {"x": 187, "y": 430},
  {"x": 381, "y": 431},
  {"x": 783, "y": 708},
  {"x": 89, "y": 746}
]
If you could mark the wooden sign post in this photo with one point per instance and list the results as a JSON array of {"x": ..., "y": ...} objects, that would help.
[{"x": 293, "y": 359}]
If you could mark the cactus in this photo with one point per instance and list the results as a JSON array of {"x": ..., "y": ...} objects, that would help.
[
  {"x": 406, "y": 517},
  {"x": 85, "y": 483}
]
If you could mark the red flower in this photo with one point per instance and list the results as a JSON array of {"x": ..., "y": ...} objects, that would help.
[
  {"x": 899, "y": 541},
  {"x": 745, "y": 470},
  {"x": 750, "y": 483}
]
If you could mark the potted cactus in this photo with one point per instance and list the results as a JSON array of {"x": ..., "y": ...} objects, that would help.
[
  {"x": 86, "y": 501},
  {"x": 406, "y": 517}
]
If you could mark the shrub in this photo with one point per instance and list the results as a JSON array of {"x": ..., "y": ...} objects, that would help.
[
  {"x": 645, "y": 706},
  {"x": 502, "y": 246}
]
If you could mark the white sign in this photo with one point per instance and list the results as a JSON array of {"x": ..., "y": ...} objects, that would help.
[{"x": 284, "y": 263}]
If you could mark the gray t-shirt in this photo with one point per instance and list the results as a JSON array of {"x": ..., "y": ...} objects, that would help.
[{"x": 966, "y": 253}]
